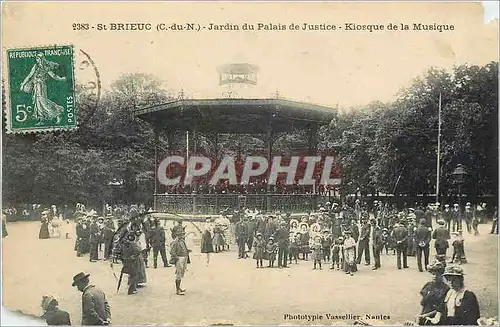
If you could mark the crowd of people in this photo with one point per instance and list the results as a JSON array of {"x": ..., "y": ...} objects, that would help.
[{"x": 339, "y": 236}]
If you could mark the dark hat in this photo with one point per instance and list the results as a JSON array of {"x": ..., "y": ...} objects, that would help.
[
  {"x": 78, "y": 277},
  {"x": 423, "y": 221},
  {"x": 130, "y": 237}
]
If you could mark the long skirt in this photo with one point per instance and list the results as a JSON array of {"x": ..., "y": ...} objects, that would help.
[
  {"x": 218, "y": 240},
  {"x": 44, "y": 231},
  {"x": 206, "y": 243}
]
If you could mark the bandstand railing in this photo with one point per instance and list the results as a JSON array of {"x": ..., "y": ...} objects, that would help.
[{"x": 211, "y": 204}]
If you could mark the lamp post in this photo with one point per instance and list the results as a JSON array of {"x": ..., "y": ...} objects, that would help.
[{"x": 459, "y": 174}]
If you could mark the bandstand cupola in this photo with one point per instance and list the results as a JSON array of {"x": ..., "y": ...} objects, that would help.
[{"x": 237, "y": 79}]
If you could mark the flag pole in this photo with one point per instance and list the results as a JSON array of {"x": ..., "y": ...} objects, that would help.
[{"x": 438, "y": 168}]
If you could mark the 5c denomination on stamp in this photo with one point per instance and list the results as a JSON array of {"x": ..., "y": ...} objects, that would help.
[{"x": 41, "y": 88}]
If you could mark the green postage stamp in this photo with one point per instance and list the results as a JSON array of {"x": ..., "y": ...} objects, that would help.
[{"x": 41, "y": 92}]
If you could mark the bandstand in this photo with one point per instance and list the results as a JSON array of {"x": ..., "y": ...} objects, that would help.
[{"x": 236, "y": 111}]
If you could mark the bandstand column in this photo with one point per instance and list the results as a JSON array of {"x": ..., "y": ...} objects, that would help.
[
  {"x": 156, "y": 142},
  {"x": 269, "y": 139},
  {"x": 194, "y": 132},
  {"x": 312, "y": 139}
]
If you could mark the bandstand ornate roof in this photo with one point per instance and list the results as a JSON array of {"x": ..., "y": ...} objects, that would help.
[{"x": 236, "y": 116}]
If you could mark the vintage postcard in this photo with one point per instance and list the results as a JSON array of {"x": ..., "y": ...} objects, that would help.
[{"x": 249, "y": 163}]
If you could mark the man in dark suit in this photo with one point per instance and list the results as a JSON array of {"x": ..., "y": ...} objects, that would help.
[
  {"x": 94, "y": 241},
  {"x": 441, "y": 234},
  {"x": 377, "y": 244},
  {"x": 157, "y": 241},
  {"x": 364, "y": 241},
  {"x": 400, "y": 236},
  {"x": 52, "y": 314},
  {"x": 422, "y": 240},
  {"x": 282, "y": 236},
  {"x": 241, "y": 233},
  {"x": 252, "y": 227},
  {"x": 95, "y": 306}
]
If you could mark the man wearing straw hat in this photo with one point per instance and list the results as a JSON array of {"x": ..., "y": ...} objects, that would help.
[{"x": 95, "y": 306}]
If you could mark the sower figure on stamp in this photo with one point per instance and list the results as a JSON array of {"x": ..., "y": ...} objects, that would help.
[
  {"x": 441, "y": 234},
  {"x": 36, "y": 84},
  {"x": 95, "y": 306},
  {"x": 400, "y": 235},
  {"x": 364, "y": 241},
  {"x": 179, "y": 253},
  {"x": 422, "y": 240}
]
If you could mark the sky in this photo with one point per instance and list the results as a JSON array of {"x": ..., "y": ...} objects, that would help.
[
  {"x": 330, "y": 68},
  {"x": 491, "y": 9}
]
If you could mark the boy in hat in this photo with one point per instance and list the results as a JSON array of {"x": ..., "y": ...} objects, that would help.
[
  {"x": 95, "y": 306},
  {"x": 386, "y": 241},
  {"x": 179, "y": 256},
  {"x": 271, "y": 250},
  {"x": 349, "y": 253},
  {"x": 456, "y": 216},
  {"x": 327, "y": 242},
  {"x": 336, "y": 250},
  {"x": 317, "y": 252}
]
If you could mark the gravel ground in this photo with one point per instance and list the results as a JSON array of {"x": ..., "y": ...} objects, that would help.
[{"x": 232, "y": 291}]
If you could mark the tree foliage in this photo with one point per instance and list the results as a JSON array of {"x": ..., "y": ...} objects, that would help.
[
  {"x": 381, "y": 147},
  {"x": 392, "y": 148}
]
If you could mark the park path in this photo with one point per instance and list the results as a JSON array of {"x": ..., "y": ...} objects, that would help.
[{"x": 231, "y": 290}]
